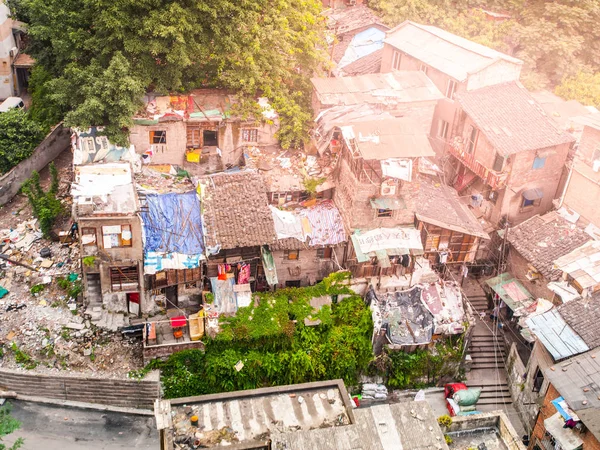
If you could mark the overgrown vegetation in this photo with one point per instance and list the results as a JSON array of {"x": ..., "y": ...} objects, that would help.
[
  {"x": 72, "y": 285},
  {"x": 275, "y": 346},
  {"x": 8, "y": 425},
  {"x": 19, "y": 136},
  {"x": 95, "y": 58},
  {"x": 23, "y": 358},
  {"x": 311, "y": 184},
  {"x": 45, "y": 205},
  {"x": 556, "y": 40}
]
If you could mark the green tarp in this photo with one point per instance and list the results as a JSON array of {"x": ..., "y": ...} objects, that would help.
[
  {"x": 510, "y": 290},
  {"x": 269, "y": 266}
]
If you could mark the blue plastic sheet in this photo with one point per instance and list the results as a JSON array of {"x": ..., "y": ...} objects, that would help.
[{"x": 172, "y": 224}]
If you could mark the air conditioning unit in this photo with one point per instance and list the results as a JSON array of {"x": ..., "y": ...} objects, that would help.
[
  {"x": 596, "y": 165},
  {"x": 388, "y": 188},
  {"x": 13, "y": 52}
]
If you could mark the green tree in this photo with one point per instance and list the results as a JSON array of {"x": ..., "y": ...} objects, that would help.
[
  {"x": 8, "y": 424},
  {"x": 107, "y": 51},
  {"x": 19, "y": 136},
  {"x": 45, "y": 205},
  {"x": 583, "y": 87}
]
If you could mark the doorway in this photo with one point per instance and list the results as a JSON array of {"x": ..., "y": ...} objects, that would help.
[
  {"x": 133, "y": 303},
  {"x": 210, "y": 138},
  {"x": 171, "y": 294}
]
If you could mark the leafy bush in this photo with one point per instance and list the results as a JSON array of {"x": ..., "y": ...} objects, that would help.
[
  {"x": 19, "y": 136},
  {"x": 37, "y": 289},
  {"x": 46, "y": 206},
  {"x": 444, "y": 421}
]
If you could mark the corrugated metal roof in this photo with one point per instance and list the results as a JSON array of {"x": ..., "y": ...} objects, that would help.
[
  {"x": 582, "y": 264},
  {"x": 444, "y": 51},
  {"x": 500, "y": 285},
  {"x": 376, "y": 88},
  {"x": 578, "y": 381},
  {"x": 556, "y": 335},
  {"x": 589, "y": 120}
]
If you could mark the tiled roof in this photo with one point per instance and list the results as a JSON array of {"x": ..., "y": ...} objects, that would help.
[
  {"x": 295, "y": 244},
  {"x": 367, "y": 64},
  {"x": 236, "y": 212},
  {"x": 583, "y": 316},
  {"x": 345, "y": 20},
  {"x": 439, "y": 205},
  {"x": 543, "y": 239},
  {"x": 510, "y": 118},
  {"x": 450, "y": 54}
]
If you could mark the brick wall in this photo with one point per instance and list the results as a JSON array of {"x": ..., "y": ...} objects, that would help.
[
  {"x": 308, "y": 268},
  {"x": 547, "y": 410},
  {"x": 52, "y": 146},
  {"x": 518, "y": 266},
  {"x": 107, "y": 391}
]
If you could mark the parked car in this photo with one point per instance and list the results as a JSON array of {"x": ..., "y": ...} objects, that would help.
[{"x": 10, "y": 103}]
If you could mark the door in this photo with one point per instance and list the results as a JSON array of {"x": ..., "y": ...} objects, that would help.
[
  {"x": 133, "y": 303},
  {"x": 171, "y": 294},
  {"x": 210, "y": 138}
]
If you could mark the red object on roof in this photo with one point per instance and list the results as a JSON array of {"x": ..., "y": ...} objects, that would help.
[
  {"x": 178, "y": 322},
  {"x": 451, "y": 388}
]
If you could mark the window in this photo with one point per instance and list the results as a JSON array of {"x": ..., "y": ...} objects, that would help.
[
  {"x": 193, "y": 137},
  {"x": 443, "y": 129},
  {"x": 450, "y": 88},
  {"x": 423, "y": 68},
  {"x": 292, "y": 283},
  {"x": 88, "y": 236},
  {"x": 158, "y": 137},
  {"x": 124, "y": 278},
  {"x": 498, "y": 163},
  {"x": 292, "y": 255},
  {"x": 384, "y": 213},
  {"x": 596, "y": 155},
  {"x": 396, "y": 60},
  {"x": 530, "y": 202},
  {"x": 114, "y": 236},
  {"x": 539, "y": 162},
  {"x": 472, "y": 139},
  {"x": 324, "y": 253},
  {"x": 538, "y": 380},
  {"x": 249, "y": 135}
]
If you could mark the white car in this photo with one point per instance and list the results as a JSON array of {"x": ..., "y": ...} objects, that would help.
[{"x": 10, "y": 103}]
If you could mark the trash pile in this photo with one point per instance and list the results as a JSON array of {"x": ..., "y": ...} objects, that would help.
[
  {"x": 461, "y": 400},
  {"x": 374, "y": 392},
  {"x": 40, "y": 304}
]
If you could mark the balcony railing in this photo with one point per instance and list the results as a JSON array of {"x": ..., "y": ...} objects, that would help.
[{"x": 490, "y": 177}]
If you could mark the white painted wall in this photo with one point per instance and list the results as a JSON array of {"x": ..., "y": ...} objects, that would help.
[{"x": 6, "y": 43}]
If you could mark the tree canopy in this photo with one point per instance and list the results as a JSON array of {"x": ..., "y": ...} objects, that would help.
[
  {"x": 555, "y": 39},
  {"x": 19, "y": 136},
  {"x": 98, "y": 57}
]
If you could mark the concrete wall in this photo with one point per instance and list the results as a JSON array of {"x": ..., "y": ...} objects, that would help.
[
  {"x": 352, "y": 199},
  {"x": 96, "y": 389},
  {"x": 547, "y": 410},
  {"x": 7, "y": 42},
  {"x": 308, "y": 268},
  {"x": 163, "y": 351},
  {"x": 52, "y": 146},
  {"x": 496, "y": 73},
  {"x": 494, "y": 419},
  {"x": 585, "y": 183}
]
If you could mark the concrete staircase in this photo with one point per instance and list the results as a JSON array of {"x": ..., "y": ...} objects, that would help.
[{"x": 93, "y": 291}]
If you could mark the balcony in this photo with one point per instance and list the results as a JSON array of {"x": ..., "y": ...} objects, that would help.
[{"x": 493, "y": 179}]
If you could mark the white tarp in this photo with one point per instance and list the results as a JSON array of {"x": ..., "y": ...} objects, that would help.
[
  {"x": 287, "y": 224},
  {"x": 397, "y": 168},
  {"x": 386, "y": 238}
]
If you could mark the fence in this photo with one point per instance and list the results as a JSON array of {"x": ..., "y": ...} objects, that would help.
[{"x": 52, "y": 146}]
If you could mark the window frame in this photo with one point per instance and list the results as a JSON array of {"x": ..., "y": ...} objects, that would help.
[
  {"x": 537, "y": 375},
  {"x": 252, "y": 135},
  {"x": 443, "y": 129},
  {"x": 498, "y": 158},
  {"x": 190, "y": 131},
  {"x": 536, "y": 162},
  {"x": 114, "y": 287},
  {"x": 451, "y": 91},
  {"x": 472, "y": 140},
  {"x": 162, "y": 137},
  {"x": 123, "y": 243},
  {"x": 383, "y": 213},
  {"x": 528, "y": 204},
  {"x": 94, "y": 232},
  {"x": 423, "y": 68},
  {"x": 324, "y": 252},
  {"x": 396, "y": 60},
  {"x": 289, "y": 255}
]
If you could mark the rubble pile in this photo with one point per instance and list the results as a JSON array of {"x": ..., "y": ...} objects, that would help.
[{"x": 40, "y": 305}]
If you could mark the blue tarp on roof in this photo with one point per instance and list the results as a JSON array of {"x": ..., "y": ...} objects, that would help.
[
  {"x": 172, "y": 224},
  {"x": 363, "y": 44}
]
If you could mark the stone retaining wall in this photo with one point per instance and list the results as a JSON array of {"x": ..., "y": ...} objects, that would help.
[{"x": 107, "y": 391}]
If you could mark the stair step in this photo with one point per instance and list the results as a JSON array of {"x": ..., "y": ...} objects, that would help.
[
  {"x": 487, "y": 354},
  {"x": 494, "y": 401}
]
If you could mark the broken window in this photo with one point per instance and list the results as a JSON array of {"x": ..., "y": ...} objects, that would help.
[
  {"x": 498, "y": 163},
  {"x": 472, "y": 139},
  {"x": 292, "y": 254},
  {"x": 324, "y": 253},
  {"x": 539, "y": 162},
  {"x": 88, "y": 236},
  {"x": 114, "y": 236},
  {"x": 124, "y": 278},
  {"x": 249, "y": 135},
  {"x": 538, "y": 380},
  {"x": 384, "y": 213},
  {"x": 158, "y": 137},
  {"x": 396, "y": 60},
  {"x": 450, "y": 88}
]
